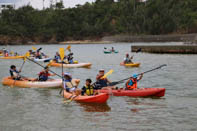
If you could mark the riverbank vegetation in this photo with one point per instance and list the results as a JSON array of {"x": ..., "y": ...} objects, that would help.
[{"x": 100, "y": 18}]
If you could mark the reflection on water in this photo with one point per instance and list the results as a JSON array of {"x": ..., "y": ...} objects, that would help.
[{"x": 90, "y": 107}]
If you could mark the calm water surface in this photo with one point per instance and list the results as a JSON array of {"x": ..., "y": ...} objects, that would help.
[{"x": 43, "y": 110}]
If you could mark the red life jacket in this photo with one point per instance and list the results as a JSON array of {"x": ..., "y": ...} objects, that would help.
[{"x": 132, "y": 84}]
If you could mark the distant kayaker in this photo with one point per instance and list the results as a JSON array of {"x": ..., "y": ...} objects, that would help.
[
  {"x": 38, "y": 55},
  {"x": 70, "y": 57},
  {"x": 31, "y": 53},
  {"x": 14, "y": 73},
  {"x": 128, "y": 59},
  {"x": 57, "y": 57},
  {"x": 112, "y": 49},
  {"x": 88, "y": 89},
  {"x": 132, "y": 82},
  {"x": 105, "y": 49},
  {"x": 101, "y": 82},
  {"x": 44, "y": 75}
]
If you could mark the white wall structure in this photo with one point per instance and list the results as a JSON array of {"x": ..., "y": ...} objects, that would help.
[{"x": 4, "y": 6}]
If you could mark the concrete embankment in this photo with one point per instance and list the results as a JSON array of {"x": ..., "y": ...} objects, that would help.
[
  {"x": 171, "y": 49},
  {"x": 152, "y": 38}
]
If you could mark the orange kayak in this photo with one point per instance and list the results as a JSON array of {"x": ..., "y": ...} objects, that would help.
[
  {"x": 130, "y": 64},
  {"x": 52, "y": 83},
  {"x": 140, "y": 92},
  {"x": 78, "y": 65},
  {"x": 12, "y": 57},
  {"x": 100, "y": 98}
]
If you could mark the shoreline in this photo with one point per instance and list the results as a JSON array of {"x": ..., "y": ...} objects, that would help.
[{"x": 186, "y": 38}]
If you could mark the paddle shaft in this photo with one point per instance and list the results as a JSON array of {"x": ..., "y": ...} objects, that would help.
[
  {"x": 43, "y": 66},
  {"x": 62, "y": 80},
  {"x": 117, "y": 82}
]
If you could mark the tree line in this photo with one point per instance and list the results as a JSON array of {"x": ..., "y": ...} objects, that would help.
[{"x": 101, "y": 18}]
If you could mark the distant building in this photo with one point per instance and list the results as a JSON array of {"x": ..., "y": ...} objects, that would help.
[
  {"x": 4, "y": 6},
  {"x": 141, "y": 0}
]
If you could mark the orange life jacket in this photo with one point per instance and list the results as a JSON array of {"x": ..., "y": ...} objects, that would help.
[{"x": 132, "y": 84}]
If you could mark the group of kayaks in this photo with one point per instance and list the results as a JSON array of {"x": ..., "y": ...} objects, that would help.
[{"x": 101, "y": 97}]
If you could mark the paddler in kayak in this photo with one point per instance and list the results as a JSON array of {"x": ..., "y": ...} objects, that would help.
[
  {"x": 44, "y": 75},
  {"x": 101, "y": 82},
  {"x": 31, "y": 53},
  {"x": 88, "y": 89},
  {"x": 112, "y": 49},
  {"x": 132, "y": 82},
  {"x": 128, "y": 59},
  {"x": 70, "y": 85},
  {"x": 14, "y": 73},
  {"x": 70, "y": 57},
  {"x": 57, "y": 57}
]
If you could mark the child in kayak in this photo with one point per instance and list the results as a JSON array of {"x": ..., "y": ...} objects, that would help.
[
  {"x": 14, "y": 73},
  {"x": 132, "y": 82},
  {"x": 87, "y": 89},
  {"x": 44, "y": 75},
  {"x": 128, "y": 59}
]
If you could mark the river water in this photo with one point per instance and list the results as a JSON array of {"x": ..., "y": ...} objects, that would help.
[{"x": 43, "y": 110}]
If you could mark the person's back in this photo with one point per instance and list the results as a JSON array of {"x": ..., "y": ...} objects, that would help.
[{"x": 44, "y": 75}]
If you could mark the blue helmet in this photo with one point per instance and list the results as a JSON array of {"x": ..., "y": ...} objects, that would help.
[{"x": 134, "y": 76}]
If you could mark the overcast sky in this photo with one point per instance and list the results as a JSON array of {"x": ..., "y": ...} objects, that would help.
[{"x": 39, "y": 3}]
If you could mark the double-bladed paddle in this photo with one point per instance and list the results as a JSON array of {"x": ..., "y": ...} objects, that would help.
[{"x": 118, "y": 82}]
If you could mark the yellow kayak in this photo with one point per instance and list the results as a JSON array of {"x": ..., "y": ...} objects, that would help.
[
  {"x": 12, "y": 57},
  {"x": 130, "y": 64}
]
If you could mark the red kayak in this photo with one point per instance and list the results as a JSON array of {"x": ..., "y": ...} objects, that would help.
[
  {"x": 100, "y": 98},
  {"x": 140, "y": 92}
]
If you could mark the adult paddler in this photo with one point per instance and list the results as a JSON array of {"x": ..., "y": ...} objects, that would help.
[
  {"x": 70, "y": 85},
  {"x": 101, "y": 82}
]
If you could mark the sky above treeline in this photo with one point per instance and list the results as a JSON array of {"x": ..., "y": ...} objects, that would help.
[{"x": 39, "y": 3}]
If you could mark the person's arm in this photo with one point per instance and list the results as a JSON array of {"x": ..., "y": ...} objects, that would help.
[
  {"x": 83, "y": 90},
  {"x": 141, "y": 75},
  {"x": 108, "y": 81},
  {"x": 49, "y": 74},
  {"x": 98, "y": 77}
]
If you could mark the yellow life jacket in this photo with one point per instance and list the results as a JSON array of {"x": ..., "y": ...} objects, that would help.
[{"x": 89, "y": 90}]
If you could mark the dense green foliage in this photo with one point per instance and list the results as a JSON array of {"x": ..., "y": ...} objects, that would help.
[{"x": 103, "y": 17}]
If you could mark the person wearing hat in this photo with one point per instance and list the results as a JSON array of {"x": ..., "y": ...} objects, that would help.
[
  {"x": 128, "y": 59},
  {"x": 132, "y": 82},
  {"x": 44, "y": 75},
  {"x": 69, "y": 84},
  {"x": 101, "y": 82}
]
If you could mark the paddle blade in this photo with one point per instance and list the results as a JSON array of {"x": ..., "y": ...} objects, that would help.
[
  {"x": 49, "y": 64},
  {"x": 34, "y": 48},
  {"x": 108, "y": 73},
  {"x": 68, "y": 47},
  {"x": 61, "y": 52},
  {"x": 26, "y": 55}
]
